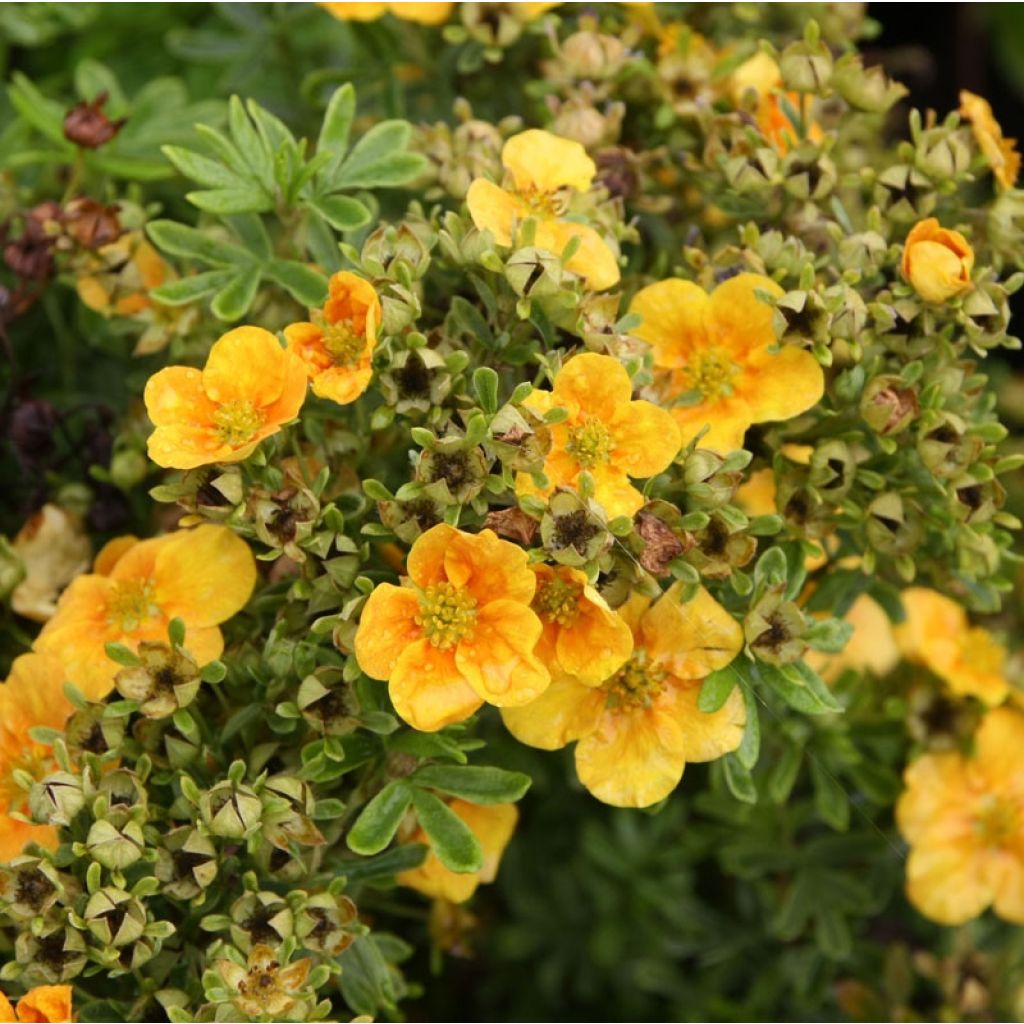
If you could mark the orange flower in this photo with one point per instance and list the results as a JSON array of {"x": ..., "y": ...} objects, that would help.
[
  {"x": 422, "y": 13},
  {"x": 33, "y": 695},
  {"x": 45, "y": 1004},
  {"x": 718, "y": 354},
  {"x": 202, "y": 576},
  {"x": 460, "y": 631},
  {"x": 493, "y": 826},
  {"x": 938, "y": 635},
  {"x": 248, "y": 389},
  {"x": 636, "y": 732},
  {"x": 337, "y": 347},
  {"x": 582, "y": 636},
  {"x": 606, "y": 434},
  {"x": 964, "y": 820},
  {"x": 937, "y": 261},
  {"x": 1000, "y": 152},
  {"x": 542, "y": 170}
]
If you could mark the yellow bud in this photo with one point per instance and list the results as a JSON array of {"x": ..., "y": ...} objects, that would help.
[{"x": 937, "y": 261}]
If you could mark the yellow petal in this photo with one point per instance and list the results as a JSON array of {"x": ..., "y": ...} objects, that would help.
[
  {"x": 175, "y": 395},
  {"x": 614, "y": 493},
  {"x": 355, "y": 10},
  {"x": 343, "y": 384},
  {"x": 387, "y": 627},
  {"x": 422, "y": 13},
  {"x": 737, "y": 320},
  {"x": 673, "y": 314},
  {"x": 543, "y": 162},
  {"x": 781, "y": 385},
  {"x": 111, "y": 552},
  {"x": 596, "y": 645},
  {"x": 426, "y": 559},
  {"x": 708, "y": 735},
  {"x": 646, "y": 439},
  {"x": 246, "y": 364},
  {"x": 488, "y": 567},
  {"x": 945, "y": 884},
  {"x": 594, "y": 260},
  {"x": 999, "y": 750},
  {"x": 566, "y": 711},
  {"x": 1005, "y": 878},
  {"x": 726, "y": 420},
  {"x": 495, "y": 210},
  {"x": 428, "y": 690},
  {"x": 594, "y": 383}
]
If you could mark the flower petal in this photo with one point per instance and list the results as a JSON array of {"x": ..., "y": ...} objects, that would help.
[
  {"x": 596, "y": 645},
  {"x": 387, "y": 628},
  {"x": 488, "y": 567},
  {"x": 673, "y": 314},
  {"x": 781, "y": 385},
  {"x": 343, "y": 384},
  {"x": 737, "y": 319},
  {"x": 246, "y": 364},
  {"x": 727, "y": 420},
  {"x": 495, "y": 210},
  {"x": 614, "y": 492},
  {"x": 566, "y": 711},
  {"x": 646, "y": 439},
  {"x": 543, "y": 162},
  {"x": 944, "y": 883},
  {"x": 428, "y": 690},
  {"x": 175, "y": 395},
  {"x": 593, "y": 383},
  {"x": 707, "y": 735},
  {"x": 594, "y": 260}
]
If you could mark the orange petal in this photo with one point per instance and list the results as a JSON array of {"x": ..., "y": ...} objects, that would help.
[
  {"x": 944, "y": 882},
  {"x": 343, "y": 384},
  {"x": 543, "y": 162},
  {"x": 489, "y": 567},
  {"x": 428, "y": 690},
  {"x": 46, "y": 1004},
  {"x": 673, "y": 314},
  {"x": 498, "y": 661},
  {"x": 175, "y": 396},
  {"x": 293, "y": 383},
  {"x": 566, "y": 711},
  {"x": 246, "y": 364},
  {"x": 781, "y": 385},
  {"x": 111, "y": 553},
  {"x": 185, "y": 446},
  {"x": 426, "y": 559},
  {"x": 646, "y": 439},
  {"x": 596, "y": 645},
  {"x": 305, "y": 340},
  {"x": 387, "y": 628},
  {"x": 6, "y": 1010},
  {"x": 596, "y": 384}
]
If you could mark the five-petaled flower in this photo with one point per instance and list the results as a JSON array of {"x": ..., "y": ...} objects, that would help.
[
  {"x": 249, "y": 388},
  {"x": 44, "y": 1004},
  {"x": 459, "y": 632},
  {"x": 202, "y": 576},
  {"x": 492, "y": 824},
  {"x": 337, "y": 347},
  {"x": 937, "y": 634},
  {"x": 605, "y": 434},
  {"x": 32, "y": 696},
  {"x": 637, "y": 730},
  {"x": 964, "y": 820},
  {"x": 937, "y": 261},
  {"x": 722, "y": 368},
  {"x": 543, "y": 171},
  {"x": 1000, "y": 152},
  {"x": 422, "y": 13}
]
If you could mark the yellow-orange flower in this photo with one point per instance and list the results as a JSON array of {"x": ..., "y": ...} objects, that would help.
[
  {"x": 606, "y": 434},
  {"x": 1000, "y": 152},
  {"x": 938, "y": 635},
  {"x": 337, "y": 348},
  {"x": 45, "y": 1004},
  {"x": 543, "y": 170},
  {"x": 32, "y": 696},
  {"x": 717, "y": 350},
  {"x": 248, "y": 389},
  {"x": 636, "y": 731},
  {"x": 761, "y": 74},
  {"x": 871, "y": 647},
  {"x": 127, "y": 270},
  {"x": 460, "y": 631},
  {"x": 492, "y": 825},
  {"x": 423, "y": 14},
  {"x": 582, "y": 636},
  {"x": 202, "y": 576},
  {"x": 937, "y": 261},
  {"x": 964, "y": 820}
]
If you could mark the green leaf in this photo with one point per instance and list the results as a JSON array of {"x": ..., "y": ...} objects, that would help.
[
  {"x": 232, "y": 302},
  {"x": 343, "y": 213},
  {"x": 379, "y": 820},
  {"x": 247, "y": 199},
  {"x": 453, "y": 842},
  {"x": 189, "y": 289},
  {"x": 739, "y": 779},
  {"x": 131, "y": 168},
  {"x": 750, "y": 746},
  {"x": 45, "y": 115},
  {"x": 476, "y": 783},
  {"x": 379, "y": 159},
  {"x": 716, "y": 688},
  {"x": 202, "y": 169},
  {"x": 304, "y": 284},
  {"x": 783, "y": 774},
  {"x": 337, "y": 125},
  {"x": 830, "y": 799},
  {"x": 384, "y": 865},
  {"x": 251, "y": 233},
  {"x": 93, "y": 78},
  {"x": 365, "y": 978},
  {"x": 182, "y": 240},
  {"x": 485, "y": 384},
  {"x": 122, "y": 655},
  {"x": 800, "y": 687},
  {"x": 250, "y": 144},
  {"x": 224, "y": 149}
]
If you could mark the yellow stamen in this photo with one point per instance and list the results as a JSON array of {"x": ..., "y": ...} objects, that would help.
[
  {"x": 590, "y": 443},
  {"x": 710, "y": 373},
  {"x": 637, "y": 683},
  {"x": 237, "y": 422},
  {"x": 446, "y": 614},
  {"x": 998, "y": 821},
  {"x": 131, "y": 604},
  {"x": 343, "y": 341},
  {"x": 558, "y": 601}
]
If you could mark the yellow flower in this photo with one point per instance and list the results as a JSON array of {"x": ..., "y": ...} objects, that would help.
[
  {"x": 543, "y": 170},
  {"x": 45, "y": 1004},
  {"x": 937, "y": 261},
  {"x": 964, "y": 820},
  {"x": 126, "y": 271},
  {"x": 718, "y": 353},
  {"x": 606, "y": 434},
  {"x": 582, "y": 636},
  {"x": 871, "y": 647},
  {"x": 248, "y": 389},
  {"x": 938, "y": 635},
  {"x": 1000, "y": 152},
  {"x": 761, "y": 74},
  {"x": 493, "y": 826},
  {"x": 33, "y": 695},
  {"x": 202, "y": 576},
  {"x": 460, "y": 631},
  {"x": 636, "y": 732},
  {"x": 265, "y": 988},
  {"x": 338, "y": 347},
  {"x": 423, "y": 14},
  {"x": 54, "y": 549}
]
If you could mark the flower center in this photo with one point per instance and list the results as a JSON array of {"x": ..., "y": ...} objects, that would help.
[
  {"x": 558, "y": 601},
  {"x": 447, "y": 614},
  {"x": 131, "y": 604},
  {"x": 980, "y": 651},
  {"x": 709, "y": 373},
  {"x": 344, "y": 341},
  {"x": 998, "y": 820},
  {"x": 237, "y": 421},
  {"x": 545, "y": 205},
  {"x": 637, "y": 683},
  {"x": 590, "y": 443}
]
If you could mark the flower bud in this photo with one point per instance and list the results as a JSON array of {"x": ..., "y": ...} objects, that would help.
[
  {"x": 51, "y": 955},
  {"x": 800, "y": 317},
  {"x": 864, "y": 251},
  {"x": 977, "y": 501},
  {"x": 332, "y": 711},
  {"x": 29, "y": 887},
  {"x": 888, "y": 405},
  {"x": 460, "y": 468},
  {"x": 720, "y": 547},
  {"x": 868, "y": 89},
  {"x": 416, "y": 380},
  {"x": 571, "y": 530},
  {"x": 92, "y": 731},
  {"x": 775, "y": 628},
  {"x": 231, "y": 811},
  {"x": 904, "y": 193},
  {"x": 593, "y": 55},
  {"x": 114, "y": 917},
  {"x": 945, "y": 446},
  {"x": 410, "y": 517},
  {"x": 806, "y": 67},
  {"x": 128, "y": 468},
  {"x": 167, "y": 680},
  {"x": 264, "y": 989},
  {"x": 57, "y": 799},
  {"x": 186, "y": 863},
  {"x": 86, "y": 125},
  {"x": 937, "y": 261},
  {"x": 260, "y": 917},
  {"x": 534, "y": 273},
  {"x": 891, "y": 528},
  {"x": 943, "y": 155},
  {"x": 325, "y": 924},
  {"x": 832, "y": 470}
]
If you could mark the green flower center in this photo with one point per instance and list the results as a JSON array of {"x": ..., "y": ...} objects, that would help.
[
  {"x": 590, "y": 443},
  {"x": 998, "y": 821},
  {"x": 343, "y": 342},
  {"x": 710, "y": 373},
  {"x": 558, "y": 601},
  {"x": 637, "y": 683},
  {"x": 237, "y": 422},
  {"x": 447, "y": 615},
  {"x": 131, "y": 604}
]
